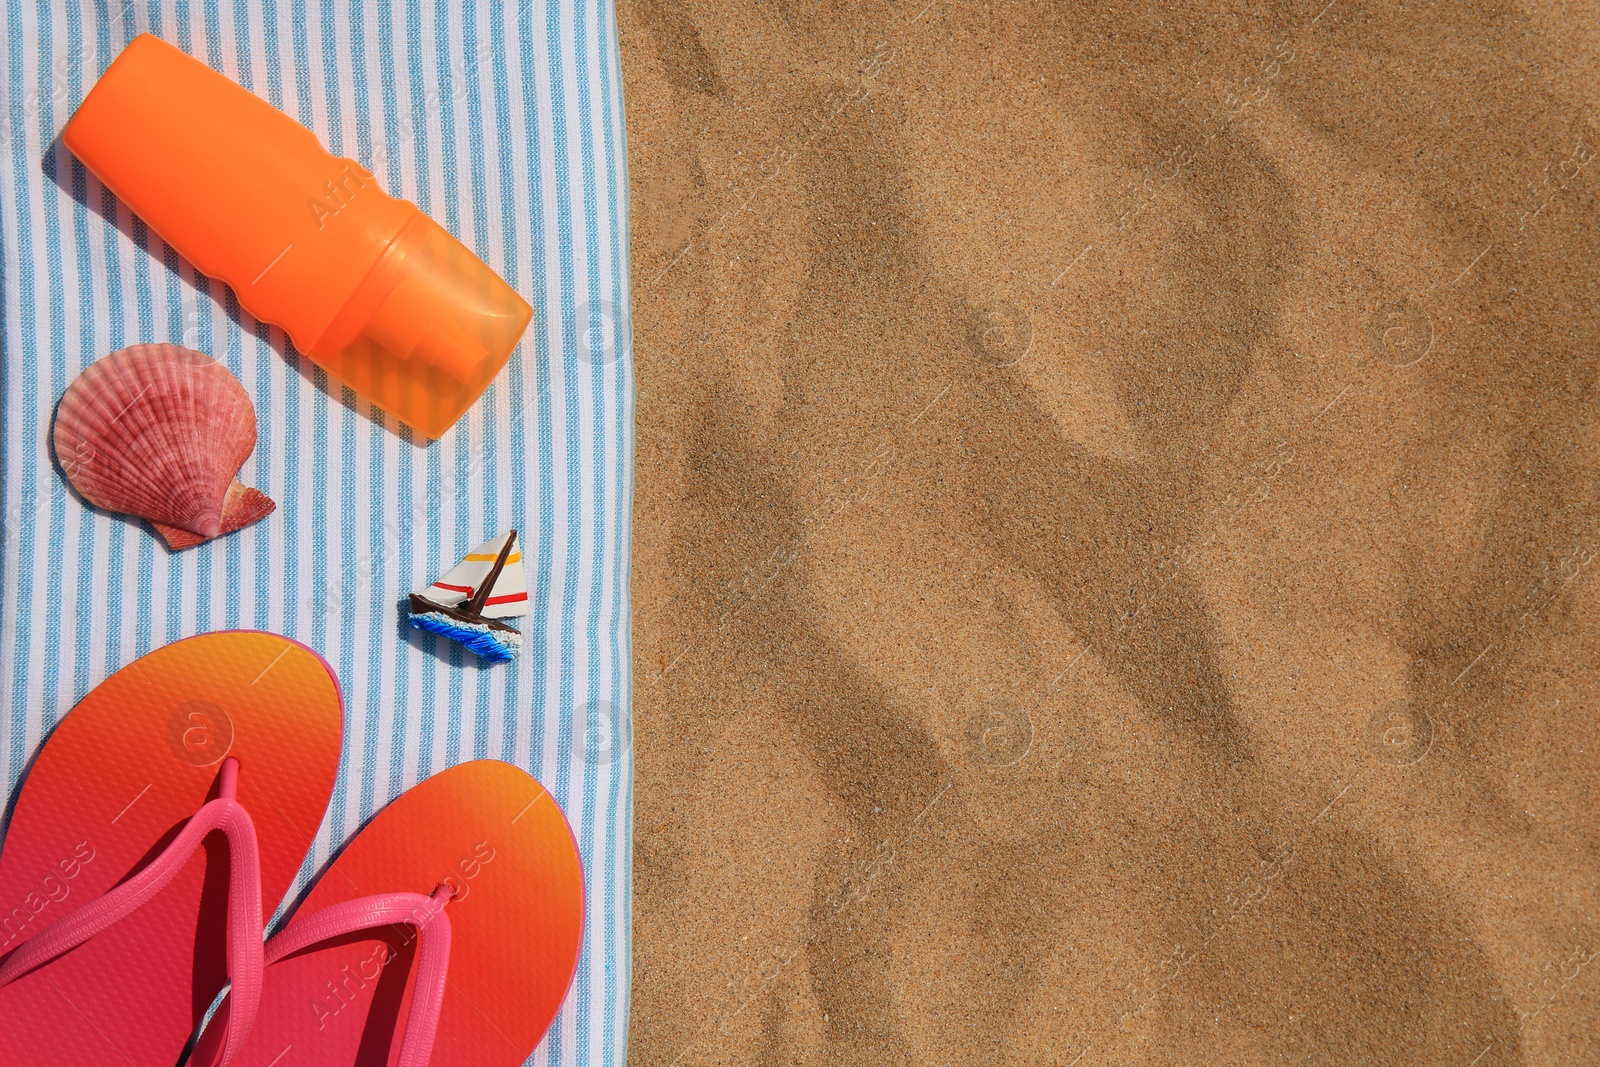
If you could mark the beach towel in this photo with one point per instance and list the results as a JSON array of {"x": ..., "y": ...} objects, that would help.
[{"x": 502, "y": 119}]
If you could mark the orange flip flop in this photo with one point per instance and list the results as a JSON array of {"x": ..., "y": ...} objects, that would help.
[
  {"x": 124, "y": 913},
  {"x": 445, "y": 933}
]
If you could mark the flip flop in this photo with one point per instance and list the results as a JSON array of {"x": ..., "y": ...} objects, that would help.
[
  {"x": 445, "y": 933},
  {"x": 123, "y": 914}
]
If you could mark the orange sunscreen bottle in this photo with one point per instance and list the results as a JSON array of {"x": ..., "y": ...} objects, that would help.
[{"x": 377, "y": 293}]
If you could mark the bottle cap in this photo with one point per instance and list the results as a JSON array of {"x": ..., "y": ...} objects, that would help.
[{"x": 426, "y": 330}]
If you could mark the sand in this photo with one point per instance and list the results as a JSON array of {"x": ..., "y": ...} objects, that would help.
[{"x": 1117, "y": 537}]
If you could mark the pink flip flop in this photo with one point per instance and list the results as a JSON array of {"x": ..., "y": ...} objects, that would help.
[
  {"x": 125, "y": 912},
  {"x": 446, "y": 933}
]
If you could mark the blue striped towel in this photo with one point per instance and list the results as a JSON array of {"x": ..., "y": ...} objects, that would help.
[{"x": 503, "y": 120}]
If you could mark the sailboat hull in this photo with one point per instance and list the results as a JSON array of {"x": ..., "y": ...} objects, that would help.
[{"x": 421, "y": 604}]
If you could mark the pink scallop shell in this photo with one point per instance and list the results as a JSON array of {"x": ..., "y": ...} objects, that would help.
[{"x": 160, "y": 431}]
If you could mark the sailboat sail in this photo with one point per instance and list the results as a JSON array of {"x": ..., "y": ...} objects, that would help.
[{"x": 508, "y": 598}]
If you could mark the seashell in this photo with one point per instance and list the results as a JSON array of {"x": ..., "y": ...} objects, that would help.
[{"x": 160, "y": 432}]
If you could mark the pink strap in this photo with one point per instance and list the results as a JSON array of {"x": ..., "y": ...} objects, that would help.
[
  {"x": 433, "y": 953},
  {"x": 245, "y": 951}
]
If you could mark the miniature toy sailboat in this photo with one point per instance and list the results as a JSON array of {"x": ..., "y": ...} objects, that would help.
[{"x": 467, "y": 603}]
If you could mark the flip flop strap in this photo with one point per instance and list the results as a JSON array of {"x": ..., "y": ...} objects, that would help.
[
  {"x": 433, "y": 953},
  {"x": 245, "y": 951}
]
